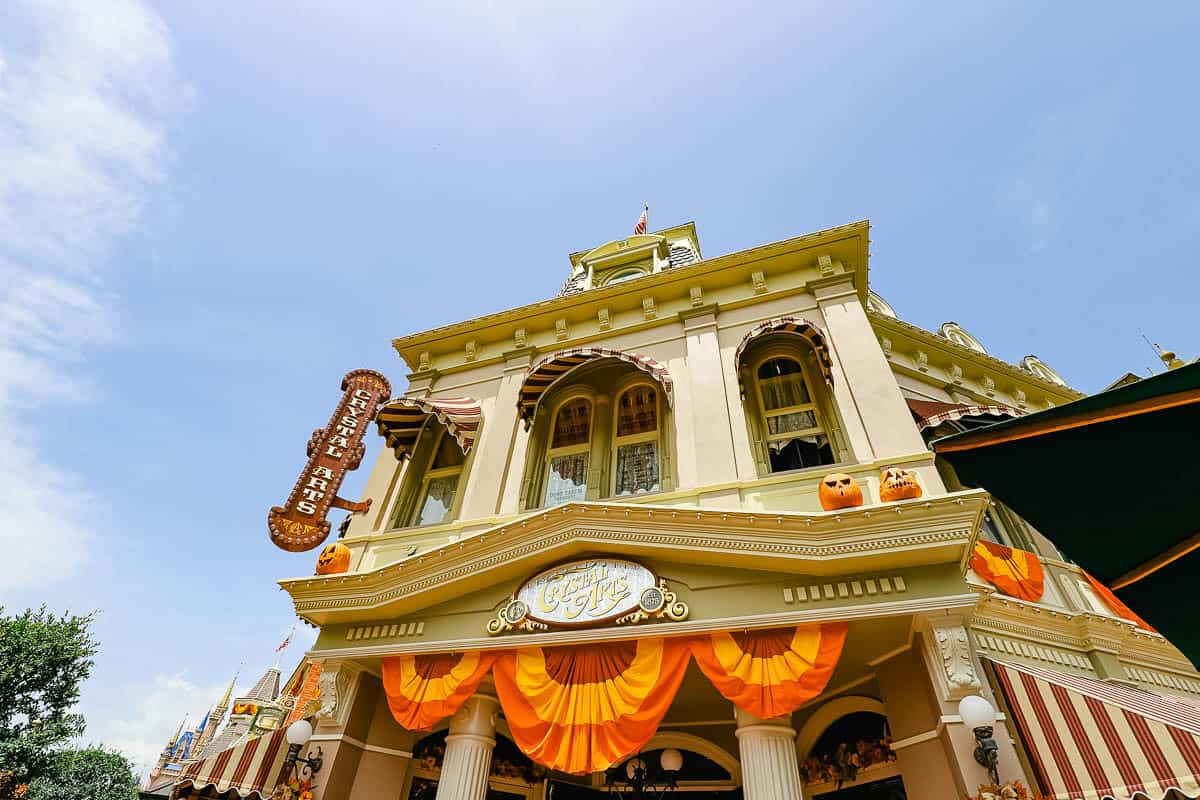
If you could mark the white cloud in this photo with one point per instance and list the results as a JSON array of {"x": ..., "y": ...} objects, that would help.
[
  {"x": 85, "y": 92},
  {"x": 154, "y": 713}
]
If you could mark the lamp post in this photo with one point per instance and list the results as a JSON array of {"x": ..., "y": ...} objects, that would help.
[
  {"x": 979, "y": 715},
  {"x": 297, "y": 735},
  {"x": 634, "y": 780}
]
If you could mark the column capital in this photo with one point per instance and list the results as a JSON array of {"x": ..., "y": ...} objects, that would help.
[
  {"x": 476, "y": 717},
  {"x": 747, "y": 723}
]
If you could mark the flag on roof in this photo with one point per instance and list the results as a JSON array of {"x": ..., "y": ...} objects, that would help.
[{"x": 640, "y": 227}]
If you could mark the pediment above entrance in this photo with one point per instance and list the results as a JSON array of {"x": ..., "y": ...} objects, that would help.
[{"x": 816, "y": 547}]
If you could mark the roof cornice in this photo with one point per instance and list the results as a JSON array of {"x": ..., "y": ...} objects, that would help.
[
  {"x": 905, "y": 341},
  {"x": 543, "y": 313}
]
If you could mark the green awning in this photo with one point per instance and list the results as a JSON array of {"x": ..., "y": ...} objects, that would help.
[{"x": 1112, "y": 479}]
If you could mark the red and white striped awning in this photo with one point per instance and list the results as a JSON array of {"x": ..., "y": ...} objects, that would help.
[
  {"x": 400, "y": 421},
  {"x": 931, "y": 413},
  {"x": 549, "y": 370},
  {"x": 794, "y": 325},
  {"x": 1091, "y": 739},
  {"x": 251, "y": 768}
]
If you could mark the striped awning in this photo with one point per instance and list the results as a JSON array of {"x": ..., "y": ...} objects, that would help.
[
  {"x": 547, "y": 371},
  {"x": 794, "y": 325},
  {"x": 400, "y": 421},
  {"x": 251, "y": 768},
  {"x": 931, "y": 413},
  {"x": 1090, "y": 739}
]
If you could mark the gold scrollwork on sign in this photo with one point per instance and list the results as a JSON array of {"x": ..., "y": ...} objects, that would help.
[
  {"x": 657, "y": 602},
  {"x": 588, "y": 593},
  {"x": 514, "y": 615}
]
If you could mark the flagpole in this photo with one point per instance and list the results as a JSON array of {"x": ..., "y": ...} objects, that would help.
[{"x": 286, "y": 642}]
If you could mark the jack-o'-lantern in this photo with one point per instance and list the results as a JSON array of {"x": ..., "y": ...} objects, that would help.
[
  {"x": 333, "y": 559},
  {"x": 898, "y": 484},
  {"x": 839, "y": 491}
]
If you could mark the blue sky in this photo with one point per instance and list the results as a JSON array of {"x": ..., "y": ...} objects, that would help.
[{"x": 208, "y": 215}]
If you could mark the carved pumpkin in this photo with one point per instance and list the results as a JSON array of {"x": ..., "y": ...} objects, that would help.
[
  {"x": 839, "y": 491},
  {"x": 898, "y": 484},
  {"x": 334, "y": 558}
]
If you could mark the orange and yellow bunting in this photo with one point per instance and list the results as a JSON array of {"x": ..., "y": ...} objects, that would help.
[
  {"x": 1119, "y": 608},
  {"x": 582, "y": 709},
  {"x": 421, "y": 690},
  {"x": 1017, "y": 573},
  {"x": 771, "y": 672}
]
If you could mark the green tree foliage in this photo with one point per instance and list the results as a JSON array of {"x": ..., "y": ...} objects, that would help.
[
  {"x": 43, "y": 660},
  {"x": 92, "y": 773}
]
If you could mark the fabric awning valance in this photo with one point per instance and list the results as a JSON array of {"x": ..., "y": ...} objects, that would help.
[
  {"x": 1095, "y": 739},
  {"x": 794, "y": 325},
  {"x": 547, "y": 371},
  {"x": 400, "y": 421},
  {"x": 582, "y": 708},
  {"x": 931, "y": 413},
  {"x": 251, "y": 768}
]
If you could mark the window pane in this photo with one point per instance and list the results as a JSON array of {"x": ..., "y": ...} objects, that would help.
[
  {"x": 573, "y": 424},
  {"x": 782, "y": 384},
  {"x": 800, "y": 452},
  {"x": 637, "y": 468},
  {"x": 990, "y": 530},
  {"x": 439, "y": 499},
  {"x": 449, "y": 454},
  {"x": 567, "y": 480},
  {"x": 637, "y": 411},
  {"x": 795, "y": 421}
]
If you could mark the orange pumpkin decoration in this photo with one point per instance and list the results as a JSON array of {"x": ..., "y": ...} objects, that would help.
[
  {"x": 839, "y": 490},
  {"x": 898, "y": 484},
  {"x": 334, "y": 558}
]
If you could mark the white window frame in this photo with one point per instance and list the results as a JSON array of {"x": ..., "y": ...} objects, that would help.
[
  {"x": 636, "y": 438},
  {"x": 431, "y": 474},
  {"x": 811, "y": 405},
  {"x": 570, "y": 450}
]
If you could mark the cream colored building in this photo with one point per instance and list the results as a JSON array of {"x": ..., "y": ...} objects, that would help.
[{"x": 707, "y": 399}]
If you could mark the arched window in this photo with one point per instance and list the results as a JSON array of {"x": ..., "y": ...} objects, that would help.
[
  {"x": 620, "y": 276},
  {"x": 568, "y": 454},
  {"x": 429, "y": 493},
  {"x": 794, "y": 435},
  {"x": 601, "y": 428},
  {"x": 636, "y": 442},
  {"x": 440, "y": 486}
]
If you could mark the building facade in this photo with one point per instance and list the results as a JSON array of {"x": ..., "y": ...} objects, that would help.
[{"x": 682, "y": 521}]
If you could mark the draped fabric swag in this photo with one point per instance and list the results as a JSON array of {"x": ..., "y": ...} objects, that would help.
[
  {"x": 1016, "y": 573},
  {"x": 771, "y": 672},
  {"x": 1119, "y": 608},
  {"x": 424, "y": 689},
  {"x": 582, "y": 709}
]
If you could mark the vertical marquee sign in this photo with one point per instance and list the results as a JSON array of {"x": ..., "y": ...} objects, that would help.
[{"x": 332, "y": 451}]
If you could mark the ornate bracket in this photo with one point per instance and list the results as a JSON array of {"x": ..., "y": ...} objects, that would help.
[
  {"x": 338, "y": 684},
  {"x": 657, "y": 602},
  {"x": 514, "y": 616},
  {"x": 950, "y": 648}
]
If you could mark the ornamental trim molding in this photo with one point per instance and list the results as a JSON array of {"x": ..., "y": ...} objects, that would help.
[
  {"x": 1079, "y": 630},
  {"x": 961, "y": 603},
  {"x": 902, "y": 531}
]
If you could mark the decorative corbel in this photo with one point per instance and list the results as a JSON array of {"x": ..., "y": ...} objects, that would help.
[
  {"x": 948, "y": 646},
  {"x": 338, "y": 685}
]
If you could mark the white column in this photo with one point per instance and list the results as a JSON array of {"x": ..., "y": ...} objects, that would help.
[
  {"x": 770, "y": 770},
  {"x": 468, "y": 758}
]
